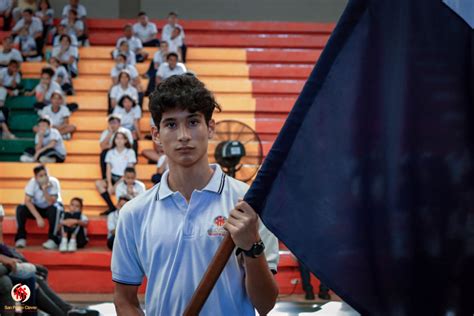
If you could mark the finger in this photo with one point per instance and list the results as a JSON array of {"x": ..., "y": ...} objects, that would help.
[{"x": 238, "y": 214}]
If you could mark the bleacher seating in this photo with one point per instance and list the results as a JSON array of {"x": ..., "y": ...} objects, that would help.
[{"x": 256, "y": 70}]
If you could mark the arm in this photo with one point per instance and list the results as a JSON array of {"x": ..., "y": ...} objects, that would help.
[
  {"x": 108, "y": 175},
  {"x": 51, "y": 199},
  {"x": 40, "y": 143},
  {"x": 42, "y": 149},
  {"x": 31, "y": 207},
  {"x": 136, "y": 123},
  {"x": 1, "y": 229},
  {"x": 126, "y": 300},
  {"x": 259, "y": 282},
  {"x": 105, "y": 144},
  {"x": 65, "y": 123}
]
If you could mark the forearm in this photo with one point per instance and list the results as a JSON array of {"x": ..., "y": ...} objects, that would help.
[
  {"x": 50, "y": 199},
  {"x": 260, "y": 284},
  {"x": 128, "y": 309},
  {"x": 32, "y": 210}
]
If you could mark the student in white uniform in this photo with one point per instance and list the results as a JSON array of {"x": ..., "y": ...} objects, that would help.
[
  {"x": 118, "y": 158},
  {"x": 61, "y": 76},
  {"x": 168, "y": 30},
  {"x": 74, "y": 4},
  {"x": 112, "y": 220},
  {"x": 146, "y": 31},
  {"x": 46, "y": 14},
  {"x": 9, "y": 53},
  {"x": 67, "y": 55},
  {"x": 73, "y": 227},
  {"x": 131, "y": 114},
  {"x": 75, "y": 27},
  {"x": 62, "y": 30},
  {"x": 44, "y": 90},
  {"x": 34, "y": 27},
  {"x": 10, "y": 79},
  {"x": 130, "y": 186},
  {"x": 170, "y": 68},
  {"x": 134, "y": 43},
  {"x": 159, "y": 58},
  {"x": 42, "y": 200},
  {"x": 171, "y": 232},
  {"x": 124, "y": 49},
  {"x": 49, "y": 144},
  {"x": 124, "y": 87},
  {"x": 27, "y": 46},
  {"x": 59, "y": 115},
  {"x": 121, "y": 64}
]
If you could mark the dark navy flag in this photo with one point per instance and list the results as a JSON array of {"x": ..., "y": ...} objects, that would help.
[{"x": 370, "y": 182}]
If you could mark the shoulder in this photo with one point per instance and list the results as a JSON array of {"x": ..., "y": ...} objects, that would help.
[
  {"x": 55, "y": 133},
  {"x": 54, "y": 180},
  {"x": 235, "y": 186}
]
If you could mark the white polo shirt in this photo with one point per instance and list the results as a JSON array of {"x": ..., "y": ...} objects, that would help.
[
  {"x": 54, "y": 86},
  {"x": 57, "y": 118},
  {"x": 7, "y": 79},
  {"x": 174, "y": 44},
  {"x": 57, "y": 40},
  {"x": 53, "y": 134},
  {"x": 112, "y": 220},
  {"x": 33, "y": 190},
  {"x": 107, "y": 132},
  {"x": 159, "y": 58},
  {"x": 168, "y": 29},
  {"x": 134, "y": 43},
  {"x": 65, "y": 56},
  {"x": 160, "y": 236},
  {"x": 115, "y": 72},
  {"x": 164, "y": 71},
  {"x": 128, "y": 118},
  {"x": 120, "y": 160},
  {"x": 121, "y": 189},
  {"x": 13, "y": 54},
  {"x": 131, "y": 58},
  {"x": 61, "y": 76},
  {"x": 145, "y": 33},
  {"x": 81, "y": 11},
  {"x": 117, "y": 92},
  {"x": 35, "y": 26}
]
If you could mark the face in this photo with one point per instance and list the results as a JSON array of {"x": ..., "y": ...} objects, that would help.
[
  {"x": 164, "y": 46},
  {"x": 42, "y": 177},
  {"x": 45, "y": 79},
  {"x": 54, "y": 62},
  {"x": 7, "y": 44},
  {"x": 56, "y": 101},
  {"x": 128, "y": 32},
  {"x": 124, "y": 79},
  {"x": 172, "y": 61},
  {"x": 27, "y": 16},
  {"x": 12, "y": 68},
  {"x": 172, "y": 19},
  {"x": 129, "y": 177},
  {"x": 143, "y": 19},
  {"x": 184, "y": 137},
  {"x": 120, "y": 140},
  {"x": 124, "y": 47},
  {"x": 114, "y": 124},
  {"x": 75, "y": 206},
  {"x": 175, "y": 32},
  {"x": 121, "y": 61},
  {"x": 127, "y": 104},
  {"x": 43, "y": 126},
  {"x": 74, "y": 2},
  {"x": 72, "y": 16},
  {"x": 65, "y": 42}
]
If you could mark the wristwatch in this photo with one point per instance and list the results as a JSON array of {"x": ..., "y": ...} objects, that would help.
[{"x": 254, "y": 252}]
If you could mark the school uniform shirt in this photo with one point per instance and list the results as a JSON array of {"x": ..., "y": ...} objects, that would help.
[
  {"x": 53, "y": 134},
  {"x": 81, "y": 11},
  {"x": 72, "y": 29},
  {"x": 159, "y": 58},
  {"x": 118, "y": 92},
  {"x": 120, "y": 160},
  {"x": 81, "y": 216},
  {"x": 128, "y": 118},
  {"x": 168, "y": 29},
  {"x": 171, "y": 242},
  {"x": 13, "y": 54},
  {"x": 131, "y": 57},
  {"x": 121, "y": 189},
  {"x": 7, "y": 80},
  {"x": 57, "y": 40},
  {"x": 107, "y": 132},
  {"x": 35, "y": 26},
  {"x": 54, "y": 86},
  {"x": 164, "y": 71},
  {"x": 61, "y": 75},
  {"x": 27, "y": 44},
  {"x": 174, "y": 44},
  {"x": 5, "y": 5},
  {"x": 115, "y": 72},
  {"x": 145, "y": 33},
  {"x": 57, "y": 118},
  {"x": 112, "y": 220},
  {"x": 64, "y": 58},
  {"x": 33, "y": 190},
  {"x": 49, "y": 13},
  {"x": 134, "y": 43},
  {"x": 162, "y": 162}
]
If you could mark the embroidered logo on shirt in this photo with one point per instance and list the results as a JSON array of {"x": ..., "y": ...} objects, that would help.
[{"x": 217, "y": 227}]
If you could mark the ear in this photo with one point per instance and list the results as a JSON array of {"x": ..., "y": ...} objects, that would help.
[
  {"x": 155, "y": 133},
  {"x": 211, "y": 128}
]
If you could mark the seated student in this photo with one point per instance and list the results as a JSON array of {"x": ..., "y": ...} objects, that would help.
[
  {"x": 75, "y": 27},
  {"x": 131, "y": 114},
  {"x": 6, "y": 8},
  {"x": 34, "y": 27},
  {"x": 124, "y": 49},
  {"x": 119, "y": 157},
  {"x": 167, "y": 31},
  {"x": 121, "y": 64},
  {"x": 61, "y": 76},
  {"x": 158, "y": 58},
  {"x": 59, "y": 114},
  {"x": 21, "y": 5},
  {"x": 5, "y": 131},
  {"x": 9, "y": 53},
  {"x": 60, "y": 31},
  {"x": 73, "y": 227},
  {"x": 106, "y": 138},
  {"x": 122, "y": 88},
  {"x": 112, "y": 220},
  {"x": 27, "y": 46},
  {"x": 44, "y": 90},
  {"x": 161, "y": 167},
  {"x": 146, "y": 31},
  {"x": 42, "y": 200},
  {"x": 129, "y": 185},
  {"x": 134, "y": 43},
  {"x": 10, "y": 79},
  {"x": 45, "y": 13},
  {"x": 67, "y": 55},
  {"x": 170, "y": 68},
  {"x": 75, "y": 5},
  {"x": 176, "y": 42},
  {"x": 49, "y": 144}
]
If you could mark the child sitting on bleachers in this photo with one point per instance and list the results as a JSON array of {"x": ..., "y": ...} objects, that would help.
[
  {"x": 129, "y": 185},
  {"x": 158, "y": 59},
  {"x": 44, "y": 90},
  {"x": 167, "y": 31},
  {"x": 134, "y": 43},
  {"x": 124, "y": 49},
  {"x": 73, "y": 226},
  {"x": 10, "y": 79},
  {"x": 112, "y": 220},
  {"x": 117, "y": 159},
  {"x": 60, "y": 31},
  {"x": 6, "y": 133},
  {"x": 122, "y": 88},
  {"x": 46, "y": 14},
  {"x": 27, "y": 46},
  {"x": 49, "y": 145},
  {"x": 121, "y": 64},
  {"x": 61, "y": 76},
  {"x": 59, "y": 114},
  {"x": 130, "y": 114},
  {"x": 67, "y": 55},
  {"x": 75, "y": 27},
  {"x": 9, "y": 53}
]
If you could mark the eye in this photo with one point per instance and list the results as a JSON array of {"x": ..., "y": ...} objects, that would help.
[
  {"x": 193, "y": 122},
  {"x": 170, "y": 125}
]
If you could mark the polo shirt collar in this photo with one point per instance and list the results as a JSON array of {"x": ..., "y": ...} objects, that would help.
[{"x": 215, "y": 185}]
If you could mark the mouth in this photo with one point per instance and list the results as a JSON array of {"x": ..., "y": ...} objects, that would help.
[{"x": 184, "y": 148}]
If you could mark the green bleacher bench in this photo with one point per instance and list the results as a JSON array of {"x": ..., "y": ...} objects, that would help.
[
  {"x": 21, "y": 124},
  {"x": 12, "y": 149},
  {"x": 30, "y": 83},
  {"x": 21, "y": 103}
]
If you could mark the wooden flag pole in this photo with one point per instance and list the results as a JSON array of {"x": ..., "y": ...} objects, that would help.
[{"x": 210, "y": 277}]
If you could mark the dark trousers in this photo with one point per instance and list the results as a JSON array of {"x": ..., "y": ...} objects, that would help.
[
  {"x": 7, "y": 21},
  {"x": 52, "y": 213},
  {"x": 81, "y": 238},
  {"x": 48, "y": 301},
  {"x": 47, "y": 153},
  {"x": 306, "y": 280},
  {"x": 103, "y": 165},
  {"x": 153, "y": 43},
  {"x": 184, "y": 50},
  {"x": 31, "y": 283},
  {"x": 110, "y": 242}
]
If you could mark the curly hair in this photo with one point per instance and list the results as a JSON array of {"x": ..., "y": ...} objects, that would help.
[{"x": 183, "y": 92}]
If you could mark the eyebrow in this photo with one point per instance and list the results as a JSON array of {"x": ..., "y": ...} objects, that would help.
[{"x": 171, "y": 119}]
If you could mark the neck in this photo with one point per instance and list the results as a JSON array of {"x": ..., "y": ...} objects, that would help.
[
  {"x": 125, "y": 86},
  {"x": 187, "y": 179},
  {"x": 120, "y": 149}
]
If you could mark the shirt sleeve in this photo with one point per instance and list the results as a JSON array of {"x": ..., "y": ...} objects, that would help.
[
  {"x": 161, "y": 71},
  {"x": 120, "y": 190},
  {"x": 84, "y": 218},
  {"x": 30, "y": 188},
  {"x": 55, "y": 135},
  {"x": 18, "y": 78},
  {"x": 18, "y": 26},
  {"x": 108, "y": 157},
  {"x": 113, "y": 93},
  {"x": 66, "y": 112},
  {"x": 132, "y": 158},
  {"x": 126, "y": 267},
  {"x": 137, "y": 113},
  {"x": 79, "y": 25},
  {"x": 54, "y": 189}
]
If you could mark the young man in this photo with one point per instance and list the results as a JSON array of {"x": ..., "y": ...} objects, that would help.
[
  {"x": 34, "y": 26},
  {"x": 9, "y": 53},
  {"x": 170, "y": 68},
  {"x": 171, "y": 232},
  {"x": 42, "y": 200},
  {"x": 146, "y": 31}
]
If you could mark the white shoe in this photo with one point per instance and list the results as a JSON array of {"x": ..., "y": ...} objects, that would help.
[
  {"x": 27, "y": 158},
  {"x": 72, "y": 246},
  {"x": 20, "y": 243},
  {"x": 45, "y": 159},
  {"x": 67, "y": 136},
  {"x": 24, "y": 270},
  {"x": 63, "y": 245},
  {"x": 50, "y": 244}
]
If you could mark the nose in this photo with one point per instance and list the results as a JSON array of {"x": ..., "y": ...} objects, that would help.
[{"x": 183, "y": 133}]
